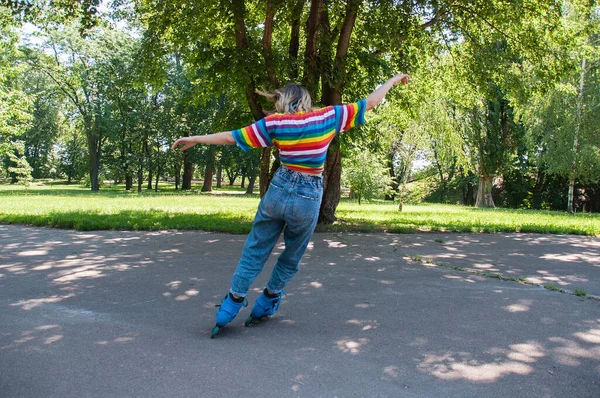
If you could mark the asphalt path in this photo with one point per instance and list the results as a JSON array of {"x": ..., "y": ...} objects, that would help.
[{"x": 129, "y": 314}]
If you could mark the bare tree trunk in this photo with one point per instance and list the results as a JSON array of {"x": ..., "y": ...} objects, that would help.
[
  {"x": 265, "y": 165},
  {"x": 468, "y": 196},
  {"x": 311, "y": 70},
  {"x": 140, "y": 173},
  {"x": 484, "y": 192},
  {"x": 219, "y": 175},
  {"x": 390, "y": 164},
  {"x": 251, "y": 180},
  {"x": 267, "y": 41},
  {"x": 158, "y": 167},
  {"x": 140, "y": 177},
  {"x": 150, "y": 165},
  {"x": 94, "y": 155},
  {"x": 536, "y": 191},
  {"x": 331, "y": 184},
  {"x": 178, "y": 175},
  {"x": 332, "y": 93},
  {"x": 571, "y": 198},
  {"x": 295, "y": 39},
  {"x": 188, "y": 173},
  {"x": 209, "y": 172}
]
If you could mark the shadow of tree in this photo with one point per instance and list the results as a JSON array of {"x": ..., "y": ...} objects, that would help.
[{"x": 358, "y": 314}]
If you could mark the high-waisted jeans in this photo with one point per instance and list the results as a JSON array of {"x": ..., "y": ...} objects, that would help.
[{"x": 291, "y": 205}]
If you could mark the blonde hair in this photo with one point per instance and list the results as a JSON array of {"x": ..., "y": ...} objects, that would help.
[{"x": 291, "y": 98}]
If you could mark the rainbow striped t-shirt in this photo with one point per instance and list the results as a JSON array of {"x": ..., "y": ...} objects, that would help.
[{"x": 302, "y": 138}]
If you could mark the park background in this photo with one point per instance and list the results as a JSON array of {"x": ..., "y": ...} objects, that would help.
[{"x": 502, "y": 111}]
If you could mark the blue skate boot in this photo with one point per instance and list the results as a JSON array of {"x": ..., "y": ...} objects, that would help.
[
  {"x": 264, "y": 307},
  {"x": 229, "y": 309}
]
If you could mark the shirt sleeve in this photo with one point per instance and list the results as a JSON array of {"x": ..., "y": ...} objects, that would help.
[
  {"x": 350, "y": 115},
  {"x": 252, "y": 136}
]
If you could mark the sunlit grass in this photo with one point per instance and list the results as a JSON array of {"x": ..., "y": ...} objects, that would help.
[
  {"x": 229, "y": 210},
  {"x": 436, "y": 217}
]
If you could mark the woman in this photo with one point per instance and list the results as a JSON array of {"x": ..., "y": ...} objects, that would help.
[{"x": 293, "y": 199}]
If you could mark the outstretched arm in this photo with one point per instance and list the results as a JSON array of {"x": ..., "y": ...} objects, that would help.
[
  {"x": 377, "y": 96},
  {"x": 223, "y": 138}
]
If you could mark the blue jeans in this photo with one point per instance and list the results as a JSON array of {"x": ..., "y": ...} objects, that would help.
[{"x": 291, "y": 205}]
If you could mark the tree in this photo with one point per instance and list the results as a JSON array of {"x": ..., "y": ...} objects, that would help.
[
  {"x": 15, "y": 104},
  {"x": 74, "y": 70},
  {"x": 348, "y": 46},
  {"x": 562, "y": 120},
  {"x": 22, "y": 169},
  {"x": 367, "y": 175},
  {"x": 71, "y": 152},
  {"x": 43, "y": 132}
]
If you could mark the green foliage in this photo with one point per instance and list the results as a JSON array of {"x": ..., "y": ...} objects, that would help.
[
  {"x": 421, "y": 189},
  {"x": 71, "y": 154},
  {"x": 366, "y": 175},
  {"x": 493, "y": 92},
  {"x": 22, "y": 170},
  {"x": 15, "y": 105}
]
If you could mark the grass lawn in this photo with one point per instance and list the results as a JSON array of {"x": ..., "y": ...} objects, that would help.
[{"x": 229, "y": 210}]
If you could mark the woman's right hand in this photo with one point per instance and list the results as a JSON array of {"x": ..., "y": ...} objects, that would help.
[
  {"x": 184, "y": 143},
  {"x": 400, "y": 78}
]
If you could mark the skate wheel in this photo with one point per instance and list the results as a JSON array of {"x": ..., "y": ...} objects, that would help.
[
  {"x": 250, "y": 320},
  {"x": 215, "y": 331}
]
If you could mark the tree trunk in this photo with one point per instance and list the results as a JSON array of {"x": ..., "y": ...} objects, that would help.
[
  {"x": 267, "y": 41},
  {"x": 390, "y": 164},
  {"x": 178, "y": 177},
  {"x": 128, "y": 181},
  {"x": 219, "y": 175},
  {"x": 484, "y": 192},
  {"x": 571, "y": 198},
  {"x": 265, "y": 176},
  {"x": 158, "y": 167},
  {"x": 94, "y": 157},
  {"x": 468, "y": 197},
  {"x": 188, "y": 172},
  {"x": 331, "y": 183},
  {"x": 140, "y": 173},
  {"x": 275, "y": 165},
  {"x": 209, "y": 172},
  {"x": 140, "y": 177},
  {"x": 232, "y": 176},
  {"x": 310, "y": 78},
  {"x": 251, "y": 180},
  {"x": 238, "y": 9},
  {"x": 333, "y": 94},
  {"x": 295, "y": 39},
  {"x": 536, "y": 191},
  {"x": 343, "y": 45},
  {"x": 208, "y": 178},
  {"x": 150, "y": 166}
]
